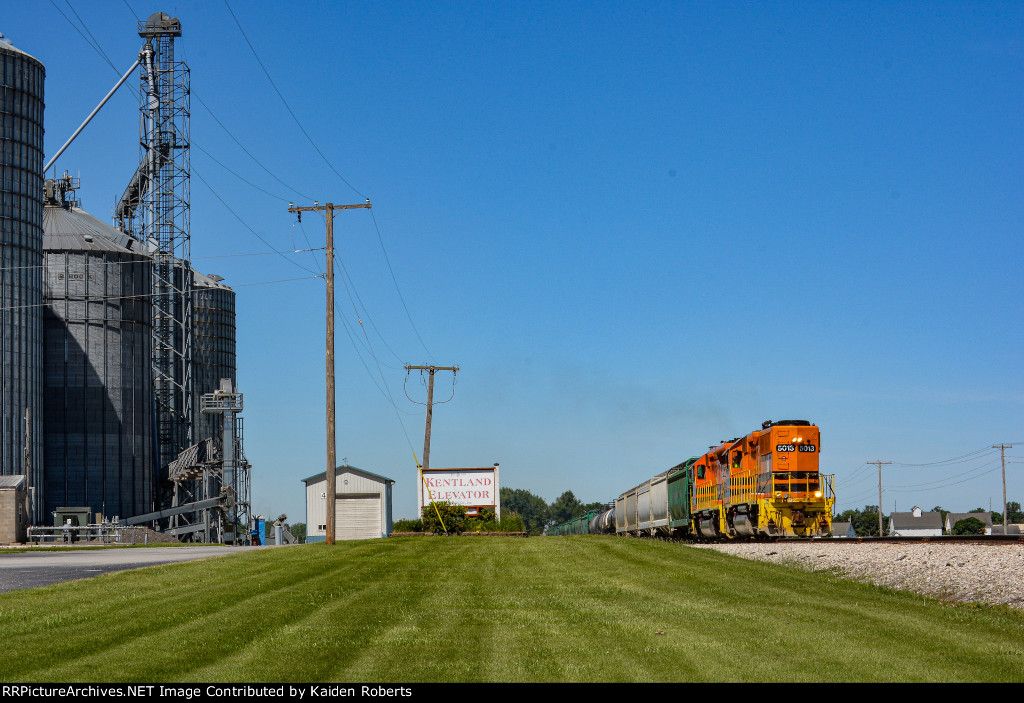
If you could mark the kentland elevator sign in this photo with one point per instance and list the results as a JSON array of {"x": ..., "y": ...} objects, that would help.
[{"x": 473, "y": 488}]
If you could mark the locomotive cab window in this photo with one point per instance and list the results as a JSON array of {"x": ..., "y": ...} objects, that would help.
[{"x": 700, "y": 471}]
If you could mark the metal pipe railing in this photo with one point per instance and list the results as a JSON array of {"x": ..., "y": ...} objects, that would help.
[{"x": 94, "y": 534}]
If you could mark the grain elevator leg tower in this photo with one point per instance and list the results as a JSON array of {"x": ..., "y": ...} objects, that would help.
[
  {"x": 234, "y": 475},
  {"x": 155, "y": 210},
  {"x": 211, "y": 481}
]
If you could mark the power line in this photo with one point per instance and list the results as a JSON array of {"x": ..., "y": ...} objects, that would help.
[
  {"x": 107, "y": 298},
  {"x": 955, "y": 460},
  {"x": 143, "y": 253},
  {"x": 397, "y": 289},
  {"x": 961, "y": 474},
  {"x": 352, "y": 336},
  {"x": 935, "y": 488},
  {"x": 238, "y": 175},
  {"x": 258, "y": 253},
  {"x": 337, "y": 173},
  {"x": 347, "y": 281},
  {"x": 306, "y": 237},
  {"x": 131, "y": 10},
  {"x": 859, "y": 497},
  {"x": 850, "y": 485},
  {"x": 856, "y": 471},
  {"x": 243, "y": 148},
  {"x": 246, "y": 224},
  {"x": 86, "y": 28},
  {"x": 359, "y": 319},
  {"x": 95, "y": 47},
  {"x": 287, "y": 106}
]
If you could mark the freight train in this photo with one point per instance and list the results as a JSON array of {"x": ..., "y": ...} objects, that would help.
[{"x": 764, "y": 484}]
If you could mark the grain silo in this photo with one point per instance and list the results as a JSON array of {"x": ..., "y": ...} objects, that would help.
[
  {"x": 213, "y": 351},
  {"x": 21, "y": 258},
  {"x": 98, "y": 390}
]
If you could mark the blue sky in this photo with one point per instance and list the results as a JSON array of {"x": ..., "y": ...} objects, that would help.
[{"x": 638, "y": 228}]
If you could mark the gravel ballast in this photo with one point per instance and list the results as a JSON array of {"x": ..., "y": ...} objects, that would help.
[{"x": 964, "y": 573}]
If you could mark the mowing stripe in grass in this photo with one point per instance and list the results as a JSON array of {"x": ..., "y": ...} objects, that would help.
[
  {"x": 154, "y": 620},
  {"x": 335, "y": 631},
  {"x": 568, "y": 609}
]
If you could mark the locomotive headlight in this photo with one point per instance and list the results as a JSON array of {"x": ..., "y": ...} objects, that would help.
[
  {"x": 798, "y": 439},
  {"x": 817, "y": 494}
]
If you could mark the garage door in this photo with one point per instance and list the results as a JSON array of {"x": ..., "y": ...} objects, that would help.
[{"x": 357, "y": 517}]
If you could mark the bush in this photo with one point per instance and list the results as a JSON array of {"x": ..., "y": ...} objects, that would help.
[
  {"x": 453, "y": 518},
  {"x": 457, "y": 522},
  {"x": 483, "y": 521},
  {"x": 969, "y": 526},
  {"x": 511, "y": 522},
  {"x": 408, "y": 526}
]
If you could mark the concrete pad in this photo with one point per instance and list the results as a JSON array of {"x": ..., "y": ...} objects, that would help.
[{"x": 32, "y": 569}]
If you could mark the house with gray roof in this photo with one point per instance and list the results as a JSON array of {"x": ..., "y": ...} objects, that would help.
[
  {"x": 843, "y": 529},
  {"x": 916, "y": 523},
  {"x": 1014, "y": 528},
  {"x": 953, "y": 518}
]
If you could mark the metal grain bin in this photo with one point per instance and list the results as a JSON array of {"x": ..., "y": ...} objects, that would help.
[
  {"x": 21, "y": 259},
  {"x": 98, "y": 376},
  {"x": 214, "y": 345}
]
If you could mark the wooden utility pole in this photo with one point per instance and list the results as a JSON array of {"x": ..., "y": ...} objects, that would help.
[
  {"x": 879, "y": 463},
  {"x": 332, "y": 479},
  {"x": 430, "y": 412},
  {"x": 1002, "y": 451}
]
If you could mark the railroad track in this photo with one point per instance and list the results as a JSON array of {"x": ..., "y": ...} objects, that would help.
[{"x": 944, "y": 539}]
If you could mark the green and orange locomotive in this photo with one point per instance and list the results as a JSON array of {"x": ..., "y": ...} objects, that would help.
[{"x": 765, "y": 484}]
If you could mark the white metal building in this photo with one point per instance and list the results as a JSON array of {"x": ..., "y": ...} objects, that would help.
[
  {"x": 362, "y": 505},
  {"x": 13, "y": 509}
]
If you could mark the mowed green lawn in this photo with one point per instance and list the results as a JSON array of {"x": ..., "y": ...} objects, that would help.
[{"x": 495, "y": 609}]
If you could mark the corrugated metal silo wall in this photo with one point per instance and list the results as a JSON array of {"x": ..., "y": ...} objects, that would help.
[
  {"x": 21, "y": 258},
  {"x": 214, "y": 349},
  {"x": 98, "y": 389}
]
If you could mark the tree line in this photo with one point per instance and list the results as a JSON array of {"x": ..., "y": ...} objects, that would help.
[
  {"x": 538, "y": 514},
  {"x": 865, "y": 522}
]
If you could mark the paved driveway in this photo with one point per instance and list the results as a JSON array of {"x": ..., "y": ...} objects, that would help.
[{"x": 31, "y": 569}]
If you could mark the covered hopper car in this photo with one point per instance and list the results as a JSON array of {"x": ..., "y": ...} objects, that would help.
[{"x": 765, "y": 484}]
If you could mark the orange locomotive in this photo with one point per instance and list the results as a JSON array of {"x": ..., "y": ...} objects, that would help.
[{"x": 765, "y": 484}]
